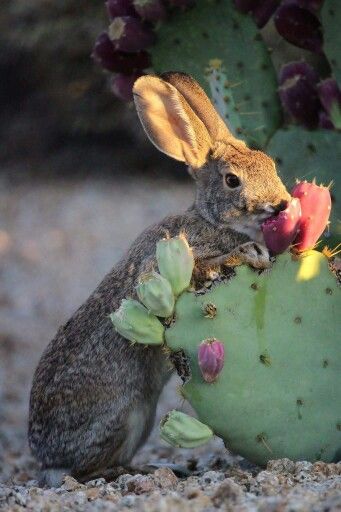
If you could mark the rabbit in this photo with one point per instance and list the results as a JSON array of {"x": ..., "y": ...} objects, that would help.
[{"x": 94, "y": 395}]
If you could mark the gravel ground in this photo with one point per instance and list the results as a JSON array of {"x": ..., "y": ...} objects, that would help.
[{"x": 58, "y": 238}]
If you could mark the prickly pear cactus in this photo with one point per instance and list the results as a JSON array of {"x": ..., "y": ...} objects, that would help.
[
  {"x": 260, "y": 356},
  {"x": 278, "y": 394},
  {"x": 215, "y": 38}
]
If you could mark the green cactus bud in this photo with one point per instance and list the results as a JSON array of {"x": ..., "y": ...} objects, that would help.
[
  {"x": 183, "y": 431},
  {"x": 134, "y": 322},
  {"x": 176, "y": 262},
  {"x": 155, "y": 292}
]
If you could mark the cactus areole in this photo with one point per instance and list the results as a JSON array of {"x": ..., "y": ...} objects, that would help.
[{"x": 277, "y": 391}]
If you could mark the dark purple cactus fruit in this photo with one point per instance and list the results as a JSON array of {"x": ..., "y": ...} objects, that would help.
[
  {"x": 325, "y": 122},
  {"x": 211, "y": 359},
  {"x": 311, "y": 5},
  {"x": 245, "y": 5},
  {"x": 105, "y": 54},
  {"x": 279, "y": 232},
  {"x": 330, "y": 96},
  {"x": 299, "y": 26},
  {"x": 150, "y": 10},
  {"x": 122, "y": 85},
  {"x": 300, "y": 68},
  {"x": 261, "y": 10},
  {"x": 129, "y": 34},
  {"x": 315, "y": 211},
  {"x": 298, "y": 92},
  {"x": 181, "y": 4},
  {"x": 120, "y": 8}
]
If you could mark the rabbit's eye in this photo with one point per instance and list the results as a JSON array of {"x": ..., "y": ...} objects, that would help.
[{"x": 232, "y": 181}]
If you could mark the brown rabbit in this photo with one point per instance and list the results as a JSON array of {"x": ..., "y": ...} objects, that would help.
[{"x": 94, "y": 395}]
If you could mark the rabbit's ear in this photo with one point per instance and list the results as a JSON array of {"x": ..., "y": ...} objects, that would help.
[
  {"x": 169, "y": 121},
  {"x": 200, "y": 104}
]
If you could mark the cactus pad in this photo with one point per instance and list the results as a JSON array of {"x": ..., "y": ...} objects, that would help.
[
  {"x": 216, "y": 35},
  {"x": 278, "y": 394}
]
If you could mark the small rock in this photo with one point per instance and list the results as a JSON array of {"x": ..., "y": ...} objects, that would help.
[
  {"x": 93, "y": 493},
  {"x": 227, "y": 492},
  {"x": 165, "y": 478},
  {"x": 71, "y": 484},
  {"x": 98, "y": 482},
  {"x": 128, "y": 501},
  {"x": 267, "y": 482},
  {"x": 211, "y": 477},
  {"x": 281, "y": 466},
  {"x": 193, "y": 493},
  {"x": 303, "y": 472},
  {"x": 140, "y": 485}
]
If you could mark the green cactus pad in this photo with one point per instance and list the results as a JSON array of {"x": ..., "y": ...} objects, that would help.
[
  {"x": 215, "y": 34},
  {"x": 318, "y": 156},
  {"x": 183, "y": 431},
  {"x": 331, "y": 15},
  {"x": 278, "y": 394}
]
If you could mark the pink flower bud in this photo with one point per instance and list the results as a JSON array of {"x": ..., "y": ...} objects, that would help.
[{"x": 211, "y": 358}]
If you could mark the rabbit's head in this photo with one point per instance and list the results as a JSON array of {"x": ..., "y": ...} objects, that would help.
[{"x": 236, "y": 186}]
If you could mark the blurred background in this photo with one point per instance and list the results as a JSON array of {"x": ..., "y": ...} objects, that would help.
[{"x": 78, "y": 181}]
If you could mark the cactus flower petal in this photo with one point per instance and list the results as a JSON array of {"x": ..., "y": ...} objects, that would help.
[
  {"x": 155, "y": 292},
  {"x": 183, "y": 431},
  {"x": 211, "y": 359},
  {"x": 176, "y": 262},
  {"x": 315, "y": 206},
  {"x": 134, "y": 322},
  {"x": 280, "y": 231}
]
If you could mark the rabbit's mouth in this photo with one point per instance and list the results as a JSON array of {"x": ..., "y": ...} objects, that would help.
[
  {"x": 249, "y": 221},
  {"x": 250, "y": 225}
]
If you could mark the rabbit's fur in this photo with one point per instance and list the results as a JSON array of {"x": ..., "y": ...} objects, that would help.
[{"x": 94, "y": 395}]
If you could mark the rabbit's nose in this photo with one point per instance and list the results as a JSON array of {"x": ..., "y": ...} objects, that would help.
[{"x": 281, "y": 206}]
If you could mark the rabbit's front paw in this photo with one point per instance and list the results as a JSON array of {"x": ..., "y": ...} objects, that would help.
[{"x": 252, "y": 253}]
